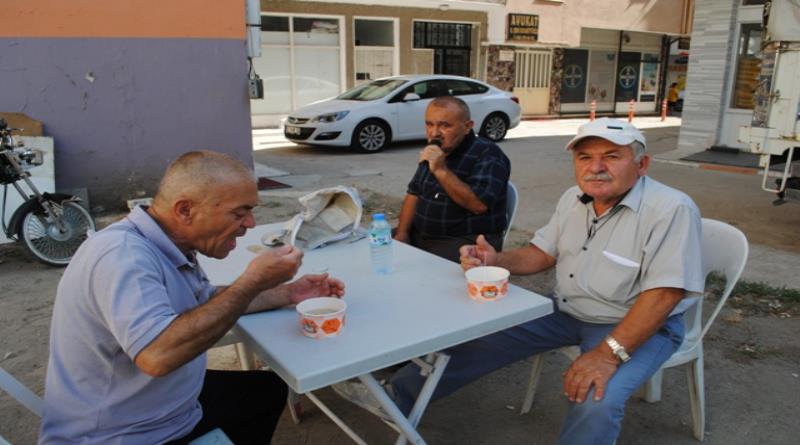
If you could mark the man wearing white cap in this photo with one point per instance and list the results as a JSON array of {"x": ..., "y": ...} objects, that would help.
[{"x": 627, "y": 254}]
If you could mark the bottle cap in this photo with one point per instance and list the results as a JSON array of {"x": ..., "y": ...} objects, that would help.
[{"x": 378, "y": 216}]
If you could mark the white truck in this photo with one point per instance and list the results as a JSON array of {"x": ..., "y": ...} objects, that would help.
[{"x": 774, "y": 132}]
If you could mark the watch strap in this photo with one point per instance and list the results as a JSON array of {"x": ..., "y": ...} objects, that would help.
[{"x": 617, "y": 349}]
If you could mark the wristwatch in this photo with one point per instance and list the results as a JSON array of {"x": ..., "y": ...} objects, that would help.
[{"x": 617, "y": 349}]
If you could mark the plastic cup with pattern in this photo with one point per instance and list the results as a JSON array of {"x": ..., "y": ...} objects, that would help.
[
  {"x": 487, "y": 283},
  {"x": 321, "y": 317}
]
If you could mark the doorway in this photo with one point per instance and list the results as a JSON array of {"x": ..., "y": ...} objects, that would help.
[
  {"x": 451, "y": 44},
  {"x": 375, "y": 49},
  {"x": 532, "y": 70}
]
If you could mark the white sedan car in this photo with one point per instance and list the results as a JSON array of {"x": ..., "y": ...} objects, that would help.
[{"x": 370, "y": 116}]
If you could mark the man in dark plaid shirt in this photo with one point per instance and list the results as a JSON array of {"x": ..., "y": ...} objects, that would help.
[{"x": 459, "y": 189}]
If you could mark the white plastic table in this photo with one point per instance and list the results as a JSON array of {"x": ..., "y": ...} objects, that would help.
[{"x": 419, "y": 309}]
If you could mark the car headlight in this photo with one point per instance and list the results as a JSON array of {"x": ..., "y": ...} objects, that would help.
[{"x": 330, "y": 117}]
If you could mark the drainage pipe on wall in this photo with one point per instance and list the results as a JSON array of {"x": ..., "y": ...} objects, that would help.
[{"x": 253, "y": 19}]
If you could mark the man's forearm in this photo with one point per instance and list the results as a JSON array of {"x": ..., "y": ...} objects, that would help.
[
  {"x": 406, "y": 215},
  {"x": 645, "y": 317},
  {"x": 459, "y": 191},
  {"x": 193, "y": 332},
  {"x": 525, "y": 260}
]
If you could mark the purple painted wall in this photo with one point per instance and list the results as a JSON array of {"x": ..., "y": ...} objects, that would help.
[{"x": 120, "y": 110}]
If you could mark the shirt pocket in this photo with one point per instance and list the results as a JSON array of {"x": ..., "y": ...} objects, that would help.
[{"x": 613, "y": 277}]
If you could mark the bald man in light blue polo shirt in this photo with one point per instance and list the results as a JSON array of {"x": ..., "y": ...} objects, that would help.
[
  {"x": 626, "y": 249},
  {"x": 135, "y": 314}
]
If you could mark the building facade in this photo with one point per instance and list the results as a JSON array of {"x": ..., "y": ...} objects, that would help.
[
  {"x": 125, "y": 88},
  {"x": 724, "y": 66},
  {"x": 556, "y": 56},
  {"x": 609, "y": 52},
  {"x": 312, "y": 50}
]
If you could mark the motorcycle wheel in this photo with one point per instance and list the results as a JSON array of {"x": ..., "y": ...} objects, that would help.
[{"x": 46, "y": 243}]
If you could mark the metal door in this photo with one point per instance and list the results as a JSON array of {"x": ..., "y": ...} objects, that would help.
[
  {"x": 532, "y": 80},
  {"x": 451, "y": 44}
]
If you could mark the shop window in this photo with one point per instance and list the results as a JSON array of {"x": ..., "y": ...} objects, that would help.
[
  {"x": 374, "y": 49},
  {"x": 300, "y": 62},
  {"x": 275, "y": 30},
  {"x": 649, "y": 78},
  {"x": 374, "y": 32},
  {"x": 314, "y": 31},
  {"x": 748, "y": 67},
  {"x": 601, "y": 76}
]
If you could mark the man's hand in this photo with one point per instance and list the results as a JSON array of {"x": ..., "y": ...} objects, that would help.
[
  {"x": 402, "y": 237},
  {"x": 481, "y": 254},
  {"x": 593, "y": 368},
  {"x": 310, "y": 286},
  {"x": 273, "y": 267},
  {"x": 435, "y": 157}
]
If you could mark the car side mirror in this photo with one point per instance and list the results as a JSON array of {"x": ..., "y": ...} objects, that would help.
[{"x": 411, "y": 97}]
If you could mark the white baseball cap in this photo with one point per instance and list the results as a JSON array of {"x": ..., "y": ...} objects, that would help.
[{"x": 613, "y": 130}]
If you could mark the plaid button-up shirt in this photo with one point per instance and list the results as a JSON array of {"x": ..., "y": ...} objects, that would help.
[{"x": 483, "y": 166}]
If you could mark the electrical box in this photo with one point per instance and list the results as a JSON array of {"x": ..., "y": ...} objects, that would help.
[{"x": 255, "y": 87}]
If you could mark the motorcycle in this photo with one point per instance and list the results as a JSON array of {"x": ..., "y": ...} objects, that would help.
[{"x": 51, "y": 226}]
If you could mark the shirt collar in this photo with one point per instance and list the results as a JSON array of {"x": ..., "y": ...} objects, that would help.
[
  {"x": 632, "y": 199},
  {"x": 150, "y": 229}
]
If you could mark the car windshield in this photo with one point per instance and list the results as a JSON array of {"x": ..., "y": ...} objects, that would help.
[{"x": 373, "y": 90}]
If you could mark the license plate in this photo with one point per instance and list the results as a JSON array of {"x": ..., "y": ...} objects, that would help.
[{"x": 292, "y": 130}]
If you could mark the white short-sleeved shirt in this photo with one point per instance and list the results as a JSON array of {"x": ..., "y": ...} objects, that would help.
[
  {"x": 651, "y": 239},
  {"x": 124, "y": 286}
]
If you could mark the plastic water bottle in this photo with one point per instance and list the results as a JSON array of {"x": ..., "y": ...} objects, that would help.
[{"x": 380, "y": 244}]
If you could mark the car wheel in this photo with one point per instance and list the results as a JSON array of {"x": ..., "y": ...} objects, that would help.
[
  {"x": 495, "y": 127},
  {"x": 371, "y": 136}
]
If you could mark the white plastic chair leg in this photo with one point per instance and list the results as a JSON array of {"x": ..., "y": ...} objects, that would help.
[
  {"x": 697, "y": 397},
  {"x": 533, "y": 382},
  {"x": 652, "y": 388},
  {"x": 246, "y": 359}
]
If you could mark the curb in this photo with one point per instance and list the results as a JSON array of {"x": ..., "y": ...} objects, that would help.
[{"x": 714, "y": 167}]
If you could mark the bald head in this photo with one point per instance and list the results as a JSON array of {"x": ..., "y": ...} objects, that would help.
[
  {"x": 455, "y": 103},
  {"x": 197, "y": 174}
]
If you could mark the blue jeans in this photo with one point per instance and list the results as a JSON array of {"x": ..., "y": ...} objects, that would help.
[{"x": 590, "y": 422}]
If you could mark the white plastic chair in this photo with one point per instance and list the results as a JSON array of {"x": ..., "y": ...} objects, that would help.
[
  {"x": 35, "y": 404},
  {"x": 724, "y": 251},
  {"x": 512, "y": 198}
]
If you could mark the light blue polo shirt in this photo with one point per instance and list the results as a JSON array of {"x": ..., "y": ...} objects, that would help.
[{"x": 123, "y": 287}]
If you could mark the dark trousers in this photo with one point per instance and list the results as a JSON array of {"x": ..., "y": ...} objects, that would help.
[
  {"x": 447, "y": 247},
  {"x": 246, "y": 405}
]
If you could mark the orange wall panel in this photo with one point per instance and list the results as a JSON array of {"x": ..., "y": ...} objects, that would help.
[{"x": 223, "y": 19}]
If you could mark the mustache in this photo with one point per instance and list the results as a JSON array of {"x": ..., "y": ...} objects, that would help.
[{"x": 598, "y": 177}]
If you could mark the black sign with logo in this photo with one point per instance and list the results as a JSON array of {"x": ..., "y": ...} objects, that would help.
[
  {"x": 524, "y": 27},
  {"x": 628, "y": 76},
  {"x": 573, "y": 79}
]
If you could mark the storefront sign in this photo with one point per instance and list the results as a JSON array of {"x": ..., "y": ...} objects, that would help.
[
  {"x": 524, "y": 27},
  {"x": 573, "y": 79}
]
